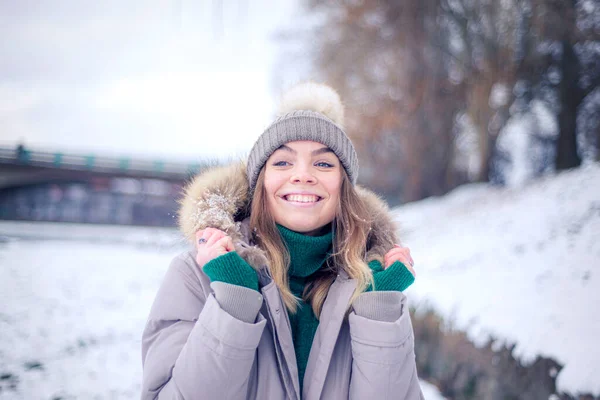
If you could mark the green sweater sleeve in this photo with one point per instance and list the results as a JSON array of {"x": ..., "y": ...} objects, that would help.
[
  {"x": 396, "y": 277},
  {"x": 233, "y": 269}
]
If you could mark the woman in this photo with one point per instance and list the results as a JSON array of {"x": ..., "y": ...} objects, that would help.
[{"x": 294, "y": 289}]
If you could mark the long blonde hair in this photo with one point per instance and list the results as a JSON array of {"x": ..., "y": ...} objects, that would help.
[{"x": 351, "y": 227}]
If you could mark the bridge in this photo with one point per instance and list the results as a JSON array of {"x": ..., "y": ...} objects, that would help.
[
  {"x": 20, "y": 166},
  {"x": 90, "y": 188}
]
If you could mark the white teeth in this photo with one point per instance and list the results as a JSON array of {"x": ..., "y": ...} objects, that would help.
[{"x": 302, "y": 198}]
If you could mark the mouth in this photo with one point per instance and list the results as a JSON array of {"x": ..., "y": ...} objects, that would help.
[{"x": 302, "y": 198}]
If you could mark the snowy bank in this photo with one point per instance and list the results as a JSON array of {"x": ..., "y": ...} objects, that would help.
[{"x": 521, "y": 264}]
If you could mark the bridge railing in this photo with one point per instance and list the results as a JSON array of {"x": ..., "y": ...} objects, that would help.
[{"x": 24, "y": 156}]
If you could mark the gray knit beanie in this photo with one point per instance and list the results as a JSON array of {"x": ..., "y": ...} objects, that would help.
[{"x": 308, "y": 111}]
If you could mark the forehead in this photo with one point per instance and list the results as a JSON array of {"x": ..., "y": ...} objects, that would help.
[{"x": 305, "y": 147}]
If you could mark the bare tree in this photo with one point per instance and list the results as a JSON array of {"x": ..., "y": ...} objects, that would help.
[{"x": 415, "y": 73}]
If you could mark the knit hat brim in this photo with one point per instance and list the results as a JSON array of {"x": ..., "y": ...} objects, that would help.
[{"x": 302, "y": 125}]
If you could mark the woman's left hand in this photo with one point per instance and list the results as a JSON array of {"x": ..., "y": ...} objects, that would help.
[{"x": 402, "y": 254}]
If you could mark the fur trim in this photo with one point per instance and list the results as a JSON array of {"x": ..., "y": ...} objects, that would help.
[
  {"x": 219, "y": 198},
  {"x": 383, "y": 235},
  {"x": 313, "y": 97},
  {"x": 212, "y": 199}
]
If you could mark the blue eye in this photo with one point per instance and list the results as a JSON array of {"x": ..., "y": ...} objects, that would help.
[
  {"x": 280, "y": 163},
  {"x": 324, "y": 165}
]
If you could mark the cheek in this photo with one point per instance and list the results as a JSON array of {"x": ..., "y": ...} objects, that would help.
[
  {"x": 334, "y": 188},
  {"x": 269, "y": 190},
  {"x": 271, "y": 183}
]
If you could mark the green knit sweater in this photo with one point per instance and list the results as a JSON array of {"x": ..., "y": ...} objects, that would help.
[{"x": 307, "y": 255}]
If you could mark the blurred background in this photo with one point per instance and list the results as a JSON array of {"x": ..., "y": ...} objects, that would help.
[{"x": 477, "y": 120}]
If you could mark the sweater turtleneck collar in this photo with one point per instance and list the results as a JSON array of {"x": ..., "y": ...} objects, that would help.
[{"x": 307, "y": 253}]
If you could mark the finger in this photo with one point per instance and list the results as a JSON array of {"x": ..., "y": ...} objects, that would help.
[
  {"x": 201, "y": 237},
  {"x": 216, "y": 236},
  {"x": 395, "y": 252},
  {"x": 229, "y": 244},
  {"x": 215, "y": 230},
  {"x": 397, "y": 246},
  {"x": 225, "y": 243},
  {"x": 404, "y": 254},
  {"x": 402, "y": 258},
  {"x": 404, "y": 262},
  {"x": 412, "y": 262}
]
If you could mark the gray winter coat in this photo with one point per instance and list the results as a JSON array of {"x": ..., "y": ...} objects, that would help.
[{"x": 221, "y": 341}]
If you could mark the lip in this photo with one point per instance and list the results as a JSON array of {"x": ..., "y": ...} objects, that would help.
[
  {"x": 299, "y": 203},
  {"x": 302, "y": 193}
]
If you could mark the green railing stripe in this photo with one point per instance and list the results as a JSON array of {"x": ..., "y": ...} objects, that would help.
[
  {"x": 58, "y": 159},
  {"x": 159, "y": 166},
  {"x": 92, "y": 161},
  {"x": 89, "y": 161}
]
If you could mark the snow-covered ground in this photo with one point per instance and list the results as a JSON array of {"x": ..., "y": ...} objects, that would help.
[
  {"x": 521, "y": 264},
  {"x": 72, "y": 310},
  {"x": 73, "y": 303}
]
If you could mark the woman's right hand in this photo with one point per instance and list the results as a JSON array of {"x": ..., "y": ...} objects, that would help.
[{"x": 211, "y": 243}]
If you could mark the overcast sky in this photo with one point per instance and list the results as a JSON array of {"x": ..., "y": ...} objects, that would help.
[{"x": 167, "y": 78}]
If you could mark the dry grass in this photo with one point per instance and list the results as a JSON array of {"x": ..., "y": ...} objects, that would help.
[{"x": 462, "y": 371}]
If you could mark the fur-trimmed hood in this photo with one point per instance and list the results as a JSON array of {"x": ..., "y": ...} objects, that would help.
[{"x": 220, "y": 198}]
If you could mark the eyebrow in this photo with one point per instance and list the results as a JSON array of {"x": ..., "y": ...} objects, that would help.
[{"x": 317, "y": 152}]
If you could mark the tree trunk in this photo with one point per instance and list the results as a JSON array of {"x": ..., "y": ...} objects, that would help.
[{"x": 570, "y": 98}]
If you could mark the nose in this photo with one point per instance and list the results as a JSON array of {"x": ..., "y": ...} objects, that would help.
[{"x": 303, "y": 175}]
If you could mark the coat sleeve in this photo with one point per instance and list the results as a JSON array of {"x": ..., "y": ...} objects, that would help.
[
  {"x": 383, "y": 365},
  {"x": 191, "y": 347}
]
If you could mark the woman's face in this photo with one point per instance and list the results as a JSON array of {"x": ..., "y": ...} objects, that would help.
[{"x": 302, "y": 184}]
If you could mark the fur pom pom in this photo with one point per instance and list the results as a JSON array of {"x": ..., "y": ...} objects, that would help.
[{"x": 313, "y": 97}]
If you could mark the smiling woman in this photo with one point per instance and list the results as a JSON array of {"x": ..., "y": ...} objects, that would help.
[{"x": 289, "y": 231}]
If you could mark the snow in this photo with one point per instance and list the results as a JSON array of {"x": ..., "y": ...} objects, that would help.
[
  {"x": 468, "y": 158},
  {"x": 430, "y": 392},
  {"x": 76, "y": 308},
  {"x": 499, "y": 95},
  {"x": 515, "y": 140},
  {"x": 521, "y": 264},
  {"x": 73, "y": 303}
]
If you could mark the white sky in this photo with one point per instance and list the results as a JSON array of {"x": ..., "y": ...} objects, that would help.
[{"x": 163, "y": 78}]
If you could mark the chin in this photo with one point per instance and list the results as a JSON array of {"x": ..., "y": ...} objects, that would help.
[{"x": 303, "y": 226}]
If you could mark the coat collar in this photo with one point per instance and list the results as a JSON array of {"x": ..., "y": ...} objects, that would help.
[
  {"x": 321, "y": 352},
  {"x": 332, "y": 317}
]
